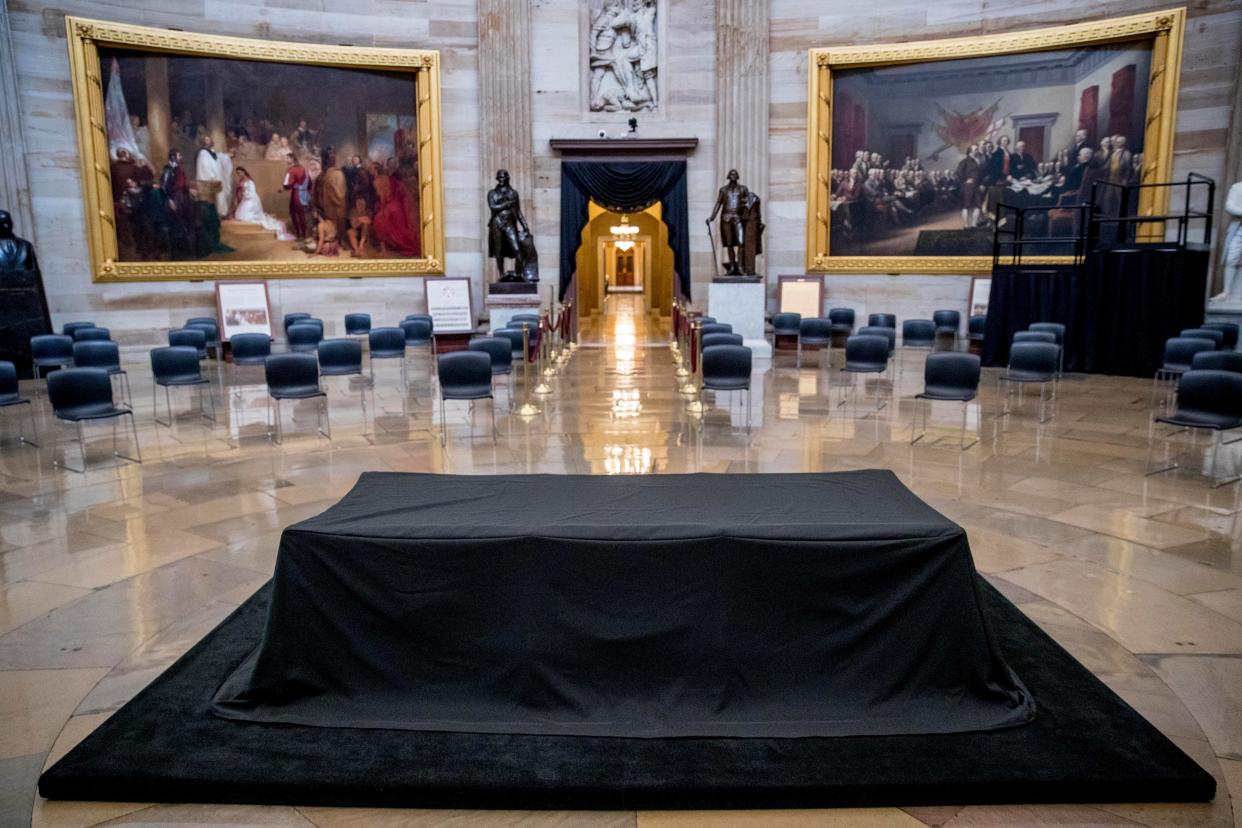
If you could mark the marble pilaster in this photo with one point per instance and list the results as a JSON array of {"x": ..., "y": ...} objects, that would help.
[
  {"x": 14, "y": 186},
  {"x": 504, "y": 99},
  {"x": 742, "y": 92}
]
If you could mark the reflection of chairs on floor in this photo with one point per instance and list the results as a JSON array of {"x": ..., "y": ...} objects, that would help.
[
  {"x": 1209, "y": 400},
  {"x": 948, "y": 377},
  {"x": 81, "y": 395}
]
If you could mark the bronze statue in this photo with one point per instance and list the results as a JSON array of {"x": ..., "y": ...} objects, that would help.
[
  {"x": 752, "y": 230},
  {"x": 731, "y": 205},
  {"x": 508, "y": 236},
  {"x": 15, "y": 253}
]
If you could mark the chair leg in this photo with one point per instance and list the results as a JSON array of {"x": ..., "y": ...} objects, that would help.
[
  {"x": 443, "y": 424},
  {"x": 749, "y": 403},
  {"x": 493, "y": 407},
  {"x": 81, "y": 448},
  {"x": 1042, "y": 418},
  {"x": 1169, "y": 463},
  {"x": 798, "y": 363},
  {"x": 137, "y": 458},
  {"x": 1217, "y": 482},
  {"x": 326, "y": 431},
  {"x": 962, "y": 442},
  {"x": 915, "y": 434},
  {"x": 279, "y": 434}
]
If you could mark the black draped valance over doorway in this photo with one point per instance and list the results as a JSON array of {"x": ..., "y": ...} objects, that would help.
[{"x": 625, "y": 187}]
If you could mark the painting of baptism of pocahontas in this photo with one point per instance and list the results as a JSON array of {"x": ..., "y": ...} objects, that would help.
[
  {"x": 221, "y": 159},
  {"x": 924, "y": 154}
]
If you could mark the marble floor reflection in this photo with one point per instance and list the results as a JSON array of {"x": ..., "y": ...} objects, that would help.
[{"x": 107, "y": 577}]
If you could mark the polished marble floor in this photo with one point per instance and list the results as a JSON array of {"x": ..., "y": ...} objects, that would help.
[{"x": 107, "y": 577}]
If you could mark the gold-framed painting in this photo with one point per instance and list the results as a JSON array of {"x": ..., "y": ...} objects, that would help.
[
  {"x": 912, "y": 147},
  {"x": 207, "y": 157}
]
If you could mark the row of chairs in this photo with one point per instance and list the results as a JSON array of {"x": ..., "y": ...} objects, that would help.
[
  {"x": 838, "y": 326},
  {"x": 1211, "y": 346}
]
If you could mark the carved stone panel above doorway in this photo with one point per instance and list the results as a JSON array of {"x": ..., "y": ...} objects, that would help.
[{"x": 622, "y": 47}]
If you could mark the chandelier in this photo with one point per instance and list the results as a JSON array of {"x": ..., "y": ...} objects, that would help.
[{"x": 626, "y": 231}]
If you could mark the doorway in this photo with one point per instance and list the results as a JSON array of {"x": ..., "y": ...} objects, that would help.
[{"x": 624, "y": 265}]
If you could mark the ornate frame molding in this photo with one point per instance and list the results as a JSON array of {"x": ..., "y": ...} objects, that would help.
[
  {"x": 86, "y": 36},
  {"x": 1164, "y": 29}
]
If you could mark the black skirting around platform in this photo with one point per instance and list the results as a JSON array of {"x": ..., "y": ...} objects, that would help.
[
  {"x": 1085, "y": 745},
  {"x": 1118, "y": 308}
]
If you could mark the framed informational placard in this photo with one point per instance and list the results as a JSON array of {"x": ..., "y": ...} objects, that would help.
[
  {"x": 448, "y": 303},
  {"x": 243, "y": 307},
  {"x": 980, "y": 290},
  {"x": 802, "y": 295}
]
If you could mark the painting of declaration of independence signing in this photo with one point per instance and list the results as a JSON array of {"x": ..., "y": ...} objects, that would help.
[
  {"x": 923, "y": 154},
  {"x": 230, "y": 160}
]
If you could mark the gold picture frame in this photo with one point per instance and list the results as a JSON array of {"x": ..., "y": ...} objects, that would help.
[
  {"x": 1164, "y": 28},
  {"x": 85, "y": 37}
]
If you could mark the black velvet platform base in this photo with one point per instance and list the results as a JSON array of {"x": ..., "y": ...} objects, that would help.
[{"x": 1085, "y": 745}]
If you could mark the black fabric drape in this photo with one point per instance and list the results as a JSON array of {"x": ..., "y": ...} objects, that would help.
[
  {"x": 625, "y": 187},
  {"x": 1118, "y": 308},
  {"x": 773, "y": 605}
]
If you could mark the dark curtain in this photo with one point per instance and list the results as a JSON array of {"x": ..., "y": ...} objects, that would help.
[
  {"x": 1121, "y": 103},
  {"x": 843, "y": 143},
  {"x": 625, "y": 187},
  {"x": 1089, "y": 112},
  {"x": 1118, "y": 309}
]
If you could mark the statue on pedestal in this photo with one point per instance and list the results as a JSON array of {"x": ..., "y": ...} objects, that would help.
[
  {"x": 15, "y": 253},
  {"x": 508, "y": 236},
  {"x": 1231, "y": 253},
  {"x": 741, "y": 227},
  {"x": 23, "y": 305}
]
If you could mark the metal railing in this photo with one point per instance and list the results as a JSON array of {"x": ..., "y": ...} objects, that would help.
[
  {"x": 1127, "y": 226},
  {"x": 1018, "y": 233}
]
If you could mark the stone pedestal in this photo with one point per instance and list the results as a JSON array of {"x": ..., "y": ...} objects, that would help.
[
  {"x": 741, "y": 304},
  {"x": 23, "y": 314}
]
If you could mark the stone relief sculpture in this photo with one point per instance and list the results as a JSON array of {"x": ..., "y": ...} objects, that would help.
[
  {"x": 623, "y": 54},
  {"x": 1231, "y": 254}
]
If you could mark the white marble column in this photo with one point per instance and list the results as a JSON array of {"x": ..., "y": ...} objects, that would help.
[
  {"x": 742, "y": 92},
  {"x": 14, "y": 185},
  {"x": 504, "y": 99}
]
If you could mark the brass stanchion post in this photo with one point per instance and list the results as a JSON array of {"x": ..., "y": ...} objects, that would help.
[
  {"x": 542, "y": 369},
  {"x": 527, "y": 408},
  {"x": 695, "y": 406}
]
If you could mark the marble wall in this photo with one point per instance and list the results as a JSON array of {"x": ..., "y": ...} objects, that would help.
[
  {"x": 1208, "y": 96},
  {"x": 140, "y": 313}
]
